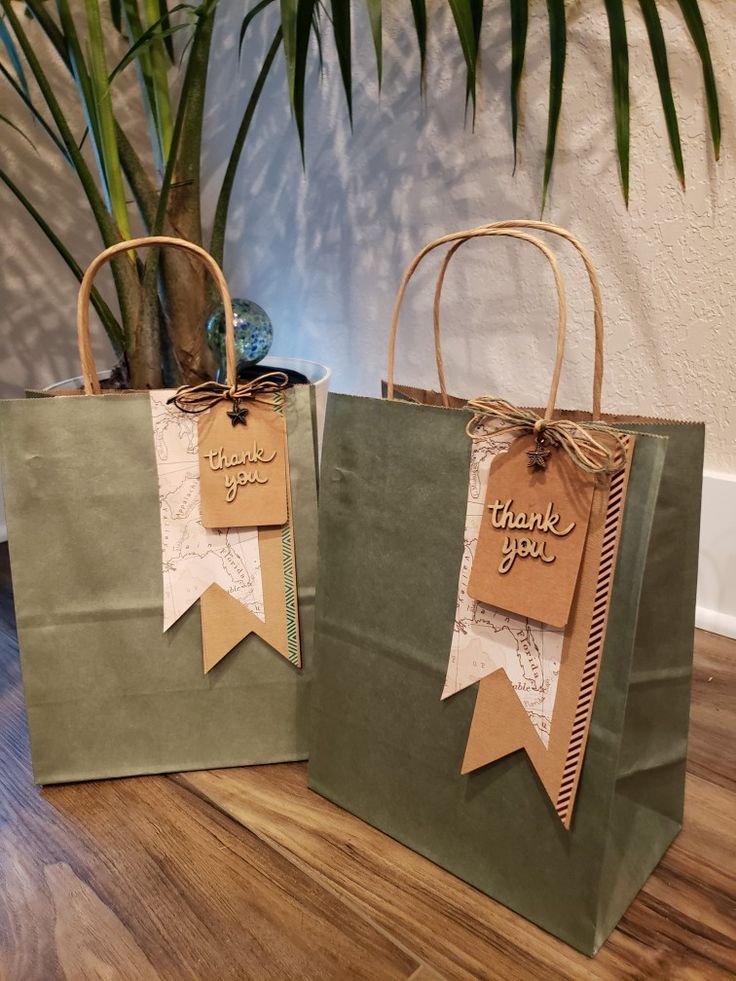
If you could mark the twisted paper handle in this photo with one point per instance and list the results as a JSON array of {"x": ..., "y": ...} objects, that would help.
[
  {"x": 543, "y": 226},
  {"x": 199, "y": 398},
  {"x": 89, "y": 371},
  {"x": 575, "y": 438}
]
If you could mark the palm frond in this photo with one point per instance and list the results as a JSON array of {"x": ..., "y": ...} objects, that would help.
[
  {"x": 14, "y": 126},
  {"x": 109, "y": 322},
  {"x": 26, "y": 99},
  {"x": 558, "y": 53},
  {"x": 519, "y": 27},
  {"x": 620, "y": 82},
  {"x": 343, "y": 45},
  {"x": 419, "y": 12},
  {"x": 375, "y": 16},
  {"x": 248, "y": 19},
  {"x": 467, "y": 24},
  {"x": 158, "y": 31},
  {"x": 296, "y": 25},
  {"x": 219, "y": 225},
  {"x": 103, "y": 112},
  {"x": 694, "y": 21},
  {"x": 659, "y": 55},
  {"x": 6, "y": 39}
]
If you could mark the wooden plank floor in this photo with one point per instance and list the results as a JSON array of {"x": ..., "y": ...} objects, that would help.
[{"x": 245, "y": 873}]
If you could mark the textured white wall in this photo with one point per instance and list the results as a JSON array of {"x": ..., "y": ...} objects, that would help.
[{"x": 324, "y": 253}]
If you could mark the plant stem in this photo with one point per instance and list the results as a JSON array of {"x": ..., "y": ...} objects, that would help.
[
  {"x": 106, "y": 120},
  {"x": 144, "y": 191},
  {"x": 178, "y": 212},
  {"x": 159, "y": 78}
]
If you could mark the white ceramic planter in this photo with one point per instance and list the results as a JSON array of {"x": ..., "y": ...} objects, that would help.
[
  {"x": 319, "y": 375},
  {"x": 72, "y": 383}
]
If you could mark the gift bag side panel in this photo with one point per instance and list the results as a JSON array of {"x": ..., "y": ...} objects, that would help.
[
  {"x": 392, "y": 510},
  {"x": 658, "y": 709},
  {"x": 107, "y": 692},
  {"x": 648, "y": 805}
]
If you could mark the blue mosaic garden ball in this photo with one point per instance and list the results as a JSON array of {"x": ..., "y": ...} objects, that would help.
[{"x": 253, "y": 335}]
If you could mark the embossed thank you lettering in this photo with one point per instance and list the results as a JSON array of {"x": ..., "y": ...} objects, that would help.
[
  {"x": 525, "y": 547},
  {"x": 219, "y": 460},
  {"x": 243, "y": 470},
  {"x": 532, "y": 535}
]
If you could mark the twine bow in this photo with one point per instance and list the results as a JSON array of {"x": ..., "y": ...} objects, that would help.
[
  {"x": 200, "y": 398},
  {"x": 575, "y": 438}
]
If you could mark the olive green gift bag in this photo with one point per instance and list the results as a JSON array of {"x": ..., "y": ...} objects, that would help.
[
  {"x": 397, "y": 477},
  {"x": 108, "y": 691}
]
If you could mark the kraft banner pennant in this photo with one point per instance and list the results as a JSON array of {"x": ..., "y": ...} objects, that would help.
[
  {"x": 537, "y": 683},
  {"x": 244, "y": 577}
]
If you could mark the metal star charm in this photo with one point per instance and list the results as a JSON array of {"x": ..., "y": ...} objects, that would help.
[
  {"x": 538, "y": 456},
  {"x": 237, "y": 414}
]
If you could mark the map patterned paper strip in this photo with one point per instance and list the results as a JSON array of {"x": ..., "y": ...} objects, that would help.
[
  {"x": 194, "y": 557},
  {"x": 485, "y": 638}
]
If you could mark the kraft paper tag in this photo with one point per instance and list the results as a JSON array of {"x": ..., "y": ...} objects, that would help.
[
  {"x": 532, "y": 534},
  {"x": 242, "y": 465}
]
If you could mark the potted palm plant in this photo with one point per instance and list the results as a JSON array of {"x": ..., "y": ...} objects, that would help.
[{"x": 157, "y": 330}]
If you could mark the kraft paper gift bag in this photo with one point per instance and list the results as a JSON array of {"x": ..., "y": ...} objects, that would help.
[
  {"x": 504, "y": 634},
  {"x": 152, "y": 640}
]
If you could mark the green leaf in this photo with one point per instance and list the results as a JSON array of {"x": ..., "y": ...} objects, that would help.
[
  {"x": 467, "y": 23},
  {"x": 419, "y": 9},
  {"x": 116, "y": 15},
  {"x": 9, "y": 122},
  {"x": 343, "y": 44},
  {"x": 247, "y": 20},
  {"x": 296, "y": 24},
  {"x": 35, "y": 113},
  {"x": 190, "y": 93},
  {"x": 9, "y": 44},
  {"x": 519, "y": 26},
  {"x": 317, "y": 31},
  {"x": 103, "y": 107},
  {"x": 694, "y": 21},
  {"x": 152, "y": 35},
  {"x": 135, "y": 30},
  {"x": 375, "y": 18},
  {"x": 219, "y": 225},
  {"x": 163, "y": 9},
  {"x": 558, "y": 52},
  {"x": 477, "y": 12},
  {"x": 83, "y": 81},
  {"x": 159, "y": 78},
  {"x": 96, "y": 203},
  {"x": 111, "y": 325},
  {"x": 659, "y": 55},
  {"x": 123, "y": 270},
  {"x": 37, "y": 9},
  {"x": 620, "y": 81},
  {"x": 289, "y": 12}
]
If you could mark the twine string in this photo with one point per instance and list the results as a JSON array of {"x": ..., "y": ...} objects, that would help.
[
  {"x": 577, "y": 439},
  {"x": 199, "y": 398}
]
